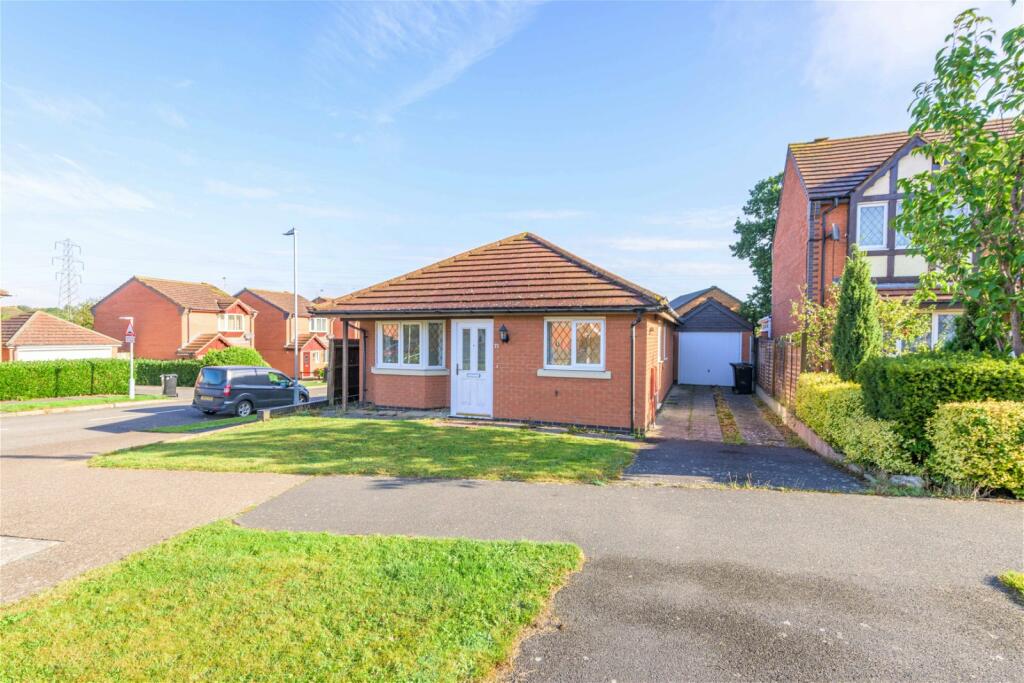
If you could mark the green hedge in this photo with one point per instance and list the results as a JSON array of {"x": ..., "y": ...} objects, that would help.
[
  {"x": 907, "y": 389},
  {"x": 53, "y": 378},
  {"x": 148, "y": 371},
  {"x": 979, "y": 445},
  {"x": 235, "y": 355},
  {"x": 834, "y": 409}
]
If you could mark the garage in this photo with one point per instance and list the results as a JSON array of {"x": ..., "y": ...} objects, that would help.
[{"x": 710, "y": 338}]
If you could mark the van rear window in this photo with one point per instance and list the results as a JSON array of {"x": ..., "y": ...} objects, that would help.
[{"x": 214, "y": 376}]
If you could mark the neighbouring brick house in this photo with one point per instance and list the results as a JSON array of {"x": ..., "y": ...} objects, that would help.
[
  {"x": 518, "y": 329},
  {"x": 712, "y": 335},
  {"x": 275, "y": 330},
  {"x": 175, "y": 319},
  {"x": 841, "y": 192},
  {"x": 41, "y": 336}
]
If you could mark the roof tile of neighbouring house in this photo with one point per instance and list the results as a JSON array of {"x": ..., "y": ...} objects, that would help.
[
  {"x": 199, "y": 296},
  {"x": 519, "y": 273},
  {"x": 42, "y": 329},
  {"x": 282, "y": 300},
  {"x": 835, "y": 167},
  {"x": 200, "y": 341},
  {"x": 305, "y": 338}
]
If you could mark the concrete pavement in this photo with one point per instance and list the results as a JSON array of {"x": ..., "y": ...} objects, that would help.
[
  {"x": 97, "y": 516},
  {"x": 708, "y": 584}
]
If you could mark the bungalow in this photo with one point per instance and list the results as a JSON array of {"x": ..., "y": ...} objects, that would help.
[
  {"x": 275, "y": 330},
  {"x": 175, "y": 319},
  {"x": 841, "y": 192},
  {"x": 518, "y": 329},
  {"x": 41, "y": 336}
]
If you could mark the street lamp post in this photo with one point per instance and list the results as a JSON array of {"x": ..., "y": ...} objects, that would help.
[
  {"x": 130, "y": 338},
  {"x": 294, "y": 234}
]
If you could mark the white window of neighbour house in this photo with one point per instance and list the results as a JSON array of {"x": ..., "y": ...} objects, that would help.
[
  {"x": 574, "y": 344},
  {"x": 872, "y": 225},
  {"x": 410, "y": 344},
  {"x": 318, "y": 325},
  {"x": 229, "y": 322}
]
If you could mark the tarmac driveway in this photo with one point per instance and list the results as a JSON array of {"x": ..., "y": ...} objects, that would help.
[{"x": 712, "y": 584}]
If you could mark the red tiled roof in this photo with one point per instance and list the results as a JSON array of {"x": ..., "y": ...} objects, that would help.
[
  {"x": 835, "y": 167},
  {"x": 201, "y": 341},
  {"x": 305, "y": 339},
  {"x": 198, "y": 296},
  {"x": 281, "y": 300},
  {"x": 518, "y": 273},
  {"x": 42, "y": 329}
]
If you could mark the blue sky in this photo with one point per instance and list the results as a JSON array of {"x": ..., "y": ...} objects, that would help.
[{"x": 181, "y": 140}]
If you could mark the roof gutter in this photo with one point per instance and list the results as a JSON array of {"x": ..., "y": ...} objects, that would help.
[{"x": 465, "y": 312}]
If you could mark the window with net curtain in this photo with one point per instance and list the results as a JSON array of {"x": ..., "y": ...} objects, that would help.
[
  {"x": 574, "y": 344},
  {"x": 410, "y": 344}
]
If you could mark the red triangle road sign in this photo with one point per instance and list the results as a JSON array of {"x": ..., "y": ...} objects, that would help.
[{"x": 129, "y": 334}]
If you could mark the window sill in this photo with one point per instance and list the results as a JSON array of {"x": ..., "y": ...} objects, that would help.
[
  {"x": 575, "y": 374},
  {"x": 411, "y": 372}
]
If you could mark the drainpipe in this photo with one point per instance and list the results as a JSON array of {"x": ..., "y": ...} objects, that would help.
[
  {"x": 824, "y": 236},
  {"x": 632, "y": 369}
]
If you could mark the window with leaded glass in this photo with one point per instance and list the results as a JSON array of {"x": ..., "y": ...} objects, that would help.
[
  {"x": 574, "y": 344},
  {"x": 410, "y": 344},
  {"x": 902, "y": 240},
  {"x": 872, "y": 225}
]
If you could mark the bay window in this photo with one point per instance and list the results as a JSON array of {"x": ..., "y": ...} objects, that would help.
[
  {"x": 573, "y": 344},
  {"x": 410, "y": 344}
]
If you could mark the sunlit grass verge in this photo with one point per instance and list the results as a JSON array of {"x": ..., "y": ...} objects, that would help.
[
  {"x": 1014, "y": 581},
  {"x": 401, "y": 448},
  {"x": 58, "y": 403},
  {"x": 226, "y": 603},
  {"x": 204, "y": 425}
]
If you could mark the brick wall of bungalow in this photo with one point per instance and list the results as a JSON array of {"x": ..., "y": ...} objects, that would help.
[
  {"x": 519, "y": 394},
  {"x": 158, "y": 321}
]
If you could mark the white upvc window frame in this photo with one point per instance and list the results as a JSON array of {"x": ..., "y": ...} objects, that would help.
[
  {"x": 663, "y": 342},
  {"x": 885, "y": 225},
  {"x": 222, "y": 322},
  {"x": 316, "y": 357},
  {"x": 317, "y": 322},
  {"x": 573, "y": 365},
  {"x": 424, "y": 345},
  {"x": 935, "y": 324}
]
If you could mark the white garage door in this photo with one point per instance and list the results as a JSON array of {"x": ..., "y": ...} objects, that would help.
[
  {"x": 61, "y": 352},
  {"x": 704, "y": 357}
]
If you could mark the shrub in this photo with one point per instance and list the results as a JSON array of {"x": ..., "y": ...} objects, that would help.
[
  {"x": 53, "y": 378},
  {"x": 857, "y": 335},
  {"x": 148, "y": 370},
  {"x": 979, "y": 444},
  {"x": 908, "y": 389},
  {"x": 834, "y": 409},
  {"x": 235, "y": 355}
]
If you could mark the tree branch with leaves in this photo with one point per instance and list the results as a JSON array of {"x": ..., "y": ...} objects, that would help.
[{"x": 756, "y": 231}]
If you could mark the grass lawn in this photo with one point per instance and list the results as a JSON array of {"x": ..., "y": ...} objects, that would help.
[
  {"x": 401, "y": 448},
  {"x": 225, "y": 603},
  {"x": 202, "y": 426},
  {"x": 43, "y": 404},
  {"x": 1014, "y": 581}
]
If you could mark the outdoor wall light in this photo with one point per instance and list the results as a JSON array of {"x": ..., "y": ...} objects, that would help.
[{"x": 503, "y": 334}]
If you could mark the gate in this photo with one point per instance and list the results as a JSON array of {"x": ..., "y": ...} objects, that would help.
[{"x": 338, "y": 371}]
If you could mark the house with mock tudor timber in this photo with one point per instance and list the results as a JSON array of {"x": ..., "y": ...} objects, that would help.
[{"x": 841, "y": 192}]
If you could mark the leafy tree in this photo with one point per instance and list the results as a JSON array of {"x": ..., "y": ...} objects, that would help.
[
  {"x": 967, "y": 217},
  {"x": 80, "y": 314},
  {"x": 903, "y": 322},
  {"x": 755, "y": 232},
  {"x": 966, "y": 336},
  {"x": 857, "y": 335}
]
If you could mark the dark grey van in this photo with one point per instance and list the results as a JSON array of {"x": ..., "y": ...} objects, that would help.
[{"x": 242, "y": 390}]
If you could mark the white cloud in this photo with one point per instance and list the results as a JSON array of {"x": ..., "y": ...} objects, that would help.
[
  {"x": 60, "y": 109},
  {"x": 440, "y": 40},
  {"x": 67, "y": 186},
  {"x": 544, "y": 215},
  {"x": 889, "y": 45},
  {"x": 661, "y": 244},
  {"x": 232, "y": 191},
  {"x": 184, "y": 83},
  {"x": 698, "y": 219},
  {"x": 171, "y": 116}
]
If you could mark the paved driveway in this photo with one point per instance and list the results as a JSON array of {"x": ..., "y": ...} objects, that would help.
[
  {"x": 48, "y": 493},
  {"x": 687, "y": 448},
  {"x": 708, "y": 584}
]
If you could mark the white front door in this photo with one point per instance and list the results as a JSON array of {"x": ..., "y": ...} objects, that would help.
[
  {"x": 704, "y": 357},
  {"x": 472, "y": 368}
]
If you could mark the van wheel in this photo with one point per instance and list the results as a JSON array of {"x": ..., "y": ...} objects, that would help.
[
  {"x": 303, "y": 399},
  {"x": 244, "y": 409}
]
